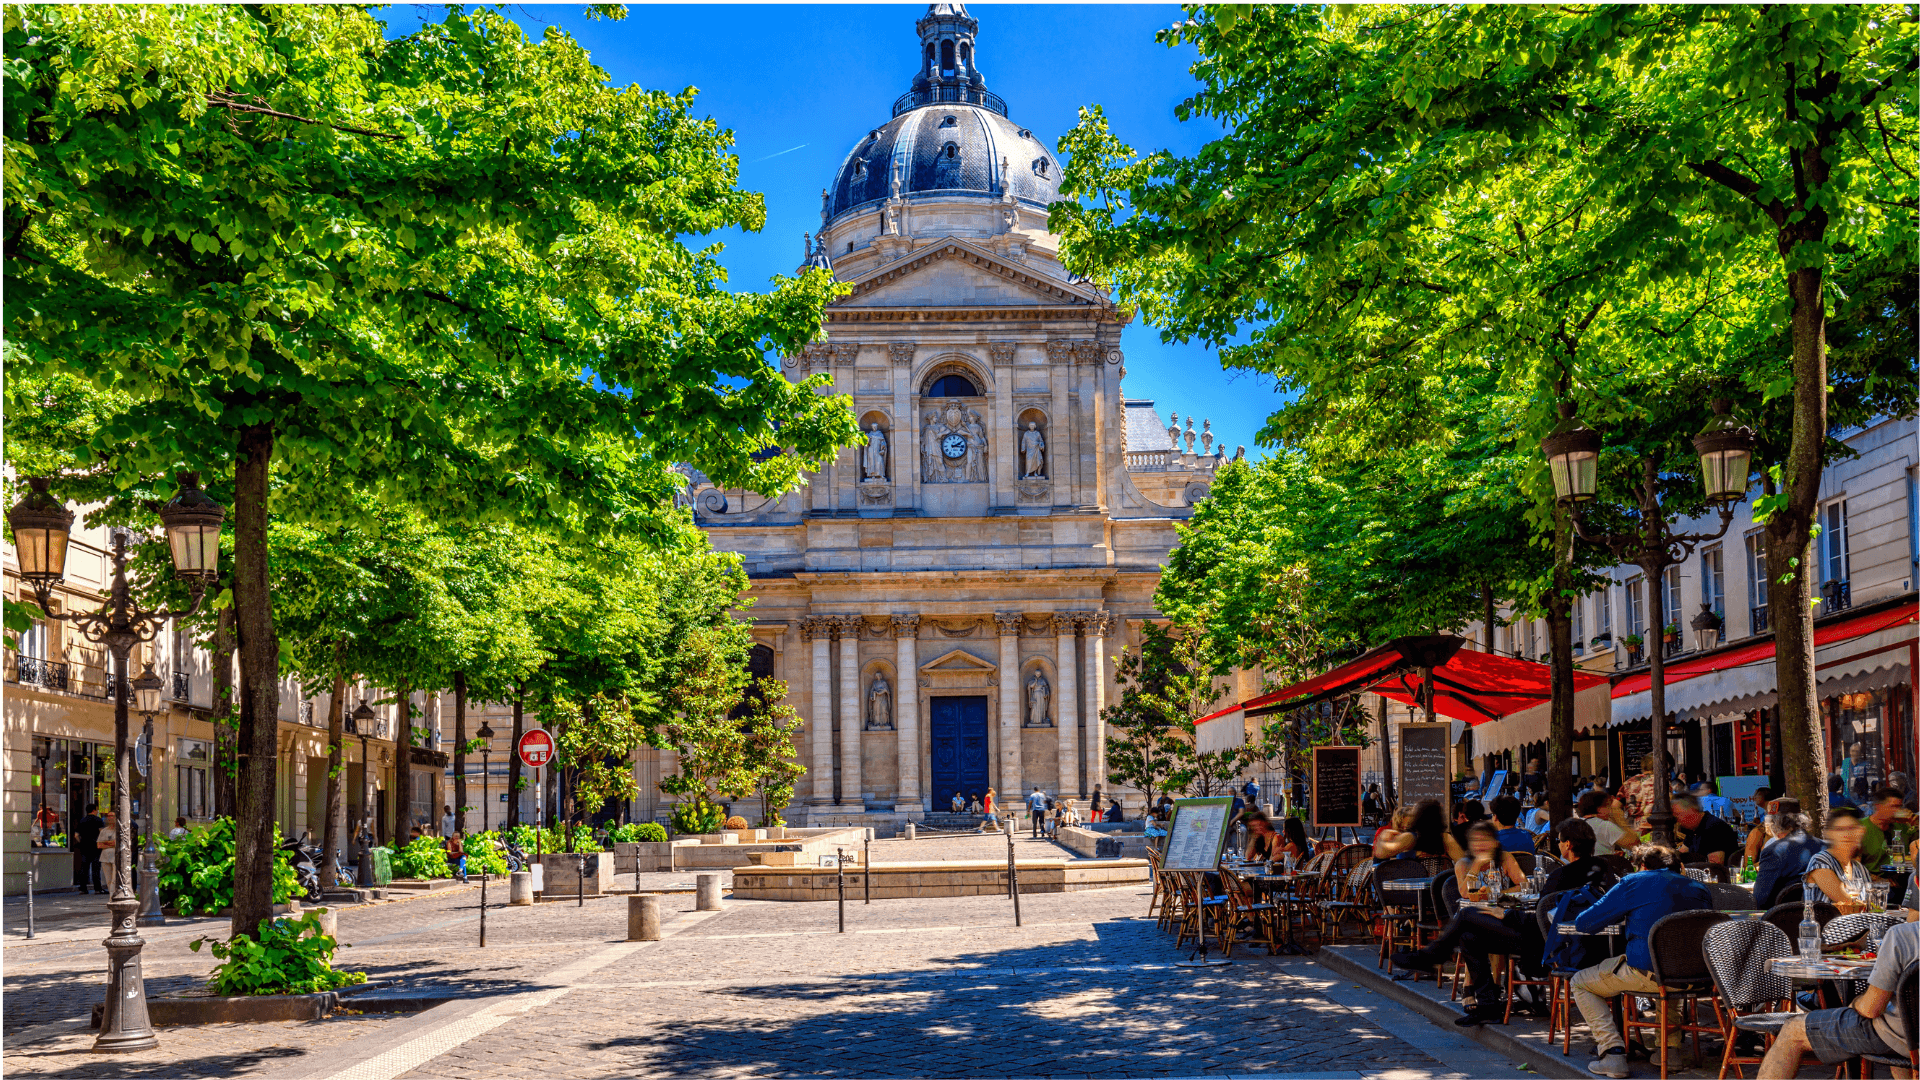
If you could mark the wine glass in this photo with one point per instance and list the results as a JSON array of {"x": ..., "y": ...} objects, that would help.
[{"x": 1492, "y": 885}]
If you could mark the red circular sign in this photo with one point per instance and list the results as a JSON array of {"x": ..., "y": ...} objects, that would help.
[{"x": 536, "y": 748}]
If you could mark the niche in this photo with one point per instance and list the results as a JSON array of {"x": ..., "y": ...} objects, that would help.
[{"x": 1033, "y": 450}]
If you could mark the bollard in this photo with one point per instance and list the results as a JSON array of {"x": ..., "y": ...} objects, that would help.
[
  {"x": 329, "y": 922},
  {"x": 643, "y": 917},
  {"x": 707, "y": 887},
  {"x": 1013, "y": 880},
  {"x": 866, "y": 868},
  {"x": 520, "y": 888},
  {"x": 580, "y": 881},
  {"x": 483, "y": 909},
  {"x": 33, "y": 863},
  {"x": 840, "y": 868},
  {"x": 911, "y": 831}
]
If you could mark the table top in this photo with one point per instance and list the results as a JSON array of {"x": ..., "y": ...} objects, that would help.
[
  {"x": 1406, "y": 884},
  {"x": 1804, "y": 970},
  {"x": 1567, "y": 928}
]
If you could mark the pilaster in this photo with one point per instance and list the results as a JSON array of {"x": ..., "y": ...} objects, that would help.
[
  {"x": 906, "y": 710},
  {"x": 820, "y": 629},
  {"x": 1004, "y": 410},
  {"x": 1008, "y": 625},
  {"x": 906, "y": 432},
  {"x": 1066, "y": 704},
  {"x": 850, "y": 734},
  {"x": 1098, "y": 625},
  {"x": 1063, "y": 460}
]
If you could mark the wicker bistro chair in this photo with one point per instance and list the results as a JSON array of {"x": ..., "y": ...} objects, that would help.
[
  {"x": 1261, "y": 917},
  {"x": 1337, "y": 900},
  {"x": 1680, "y": 968},
  {"x": 1730, "y": 897},
  {"x": 1787, "y": 918},
  {"x": 1845, "y": 930},
  {"x": 1159, "y": 898},
  {"x": 1909, "y": 995},
  {"x": 1750, "y": 997},
  {"x": 1200, "y": 903},
  {"x": 1400, "y": 912},
  {"x": 1794, "y": 893},
  {"x": 1559, "y": 981},
  {"x": 1526, "y": 860}
]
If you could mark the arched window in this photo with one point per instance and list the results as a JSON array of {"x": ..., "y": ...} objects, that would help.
[
  {"x": 953, "y": 151},
  {"x": 946, "y": 55},
  {"x": 759, "y": 666},
  {"x": 966, "y": 54},
  {"x": 952, "y": 386},
  {"x": 929, "y": 52}
]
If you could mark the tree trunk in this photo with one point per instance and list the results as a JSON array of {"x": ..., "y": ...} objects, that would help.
[
  {"x": 513, "y": 758},
  {"x": 225, "y": 727},
  {"x": 1486, "y": 604},
  {"x": 1560, "y": 641},
  {"x": 460, "y": 752},
  {"x": 333, "y": 837},
  {"x": 1386, "y": 755},
  {"x": 260, "y": 671},
  {"x": 1790, "y": 558}
]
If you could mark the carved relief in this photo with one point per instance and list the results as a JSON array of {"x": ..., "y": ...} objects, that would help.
[
  {"x": 906, "y": 626},
  {"x": 1087, "y": 352},
  {"x": 1060, "y": 352},
  {"x": 1064, "y": 623},
  {"x": 953, "y": 446},
  {"x": 1101, "y": 622},
  {"x": 1034, "y": 489},
  {"x": 875, "y": 493},
  {"x": 902, "y": 352},
  {"x": 815, "y": 627},
  {"x": 1001, "y": 352},
  {"x": 845, "y": 355},
  {"x": 957, "y": 627},
  {"x": 1007, "y": 623}
]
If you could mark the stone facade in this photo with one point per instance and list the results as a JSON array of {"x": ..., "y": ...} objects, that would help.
[{"x": 957, "y": 585}]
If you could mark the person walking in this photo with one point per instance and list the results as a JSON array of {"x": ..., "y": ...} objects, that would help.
[
  {"x": 446, "y": 821},
  {"x": 1037, "y": 810},
  {"x": 105, "y": 843},
  {"x": 86, "y": 837},
  {"x": 987, "y": 807}
]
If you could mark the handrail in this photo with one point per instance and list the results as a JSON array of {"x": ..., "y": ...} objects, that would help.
[{"x": 959, "y": 95}]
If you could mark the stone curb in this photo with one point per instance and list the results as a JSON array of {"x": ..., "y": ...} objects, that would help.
[
  {"x": 268, "y": 1008},
  {"x": 1488, "y": 1035}
]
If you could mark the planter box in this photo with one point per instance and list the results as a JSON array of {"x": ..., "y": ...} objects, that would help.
[
  {"x": 643, "y": 857},
  {"x": 271, "y": 1008},
  {"x": 563, "y": 874}
]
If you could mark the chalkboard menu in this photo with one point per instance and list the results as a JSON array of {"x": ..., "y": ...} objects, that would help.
[
  {"x": 1634, "y": 745},
  {"x": 1336, "y": 786},
  {"x": 1196, "y": 833},
  {"x": 1424, "y": 749}
]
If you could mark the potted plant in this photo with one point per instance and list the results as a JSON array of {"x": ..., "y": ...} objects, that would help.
[
  {"x": 1671, "y": 633},
  {"x": 1601, "y": 641},
  {"x": 1633, "y": 644}
]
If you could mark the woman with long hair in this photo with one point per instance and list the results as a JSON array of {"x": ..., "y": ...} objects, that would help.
[{"x": 1477, "y": 932}]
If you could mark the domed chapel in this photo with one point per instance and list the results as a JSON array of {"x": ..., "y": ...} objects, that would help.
[{"x": 944, "y": 602}]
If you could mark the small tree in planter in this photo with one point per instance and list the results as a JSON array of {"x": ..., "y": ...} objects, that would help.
[{"x": 729, "y": 737}]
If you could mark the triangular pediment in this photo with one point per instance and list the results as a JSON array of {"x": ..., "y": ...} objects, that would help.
[
  {"x": 958, "y": 660},
  {"x": 954, "y": 273}
]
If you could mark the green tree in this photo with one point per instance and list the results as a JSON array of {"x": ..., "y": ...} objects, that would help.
[
  {"x": 1167, "y": 683},
  {"x": 315, "y": 257}
]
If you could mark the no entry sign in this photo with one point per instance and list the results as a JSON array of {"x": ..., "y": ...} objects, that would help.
[{"x": 536, "y": 748}]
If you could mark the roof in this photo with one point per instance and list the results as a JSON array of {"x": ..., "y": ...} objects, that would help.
[
  {"x": 947, "y": 147},
  {"x": 1145, "y": 431}
]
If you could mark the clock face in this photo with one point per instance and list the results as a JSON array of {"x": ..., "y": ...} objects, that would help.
[{"x": 954, "y": 446}]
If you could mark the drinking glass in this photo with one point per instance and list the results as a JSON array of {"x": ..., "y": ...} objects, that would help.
[
  {"x": 1493, "y": 884},
  {"x": 1878, "y": 893}
]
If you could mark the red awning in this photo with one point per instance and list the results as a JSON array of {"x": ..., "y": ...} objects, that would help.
[
  {"x": 1471, "y": 686},
  {"x": 1840, "y": 630}
]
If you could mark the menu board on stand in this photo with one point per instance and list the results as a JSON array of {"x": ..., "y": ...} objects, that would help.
[
  {"x": 1424, "y": 752},
  {"x": 1336, "y": 787},
  {"x": 1197, "y": 832}
]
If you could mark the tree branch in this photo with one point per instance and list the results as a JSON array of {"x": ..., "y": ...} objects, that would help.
[
  {"x": 235, "y": 105},
  {"x": 1742, "y": 185}
]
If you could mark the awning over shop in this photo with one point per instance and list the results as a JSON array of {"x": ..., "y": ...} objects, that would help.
[
  {"x": 1591, "y": 709},
  {"x": 1858, "y": 652},
  {"x": 1473, "y": 687}
]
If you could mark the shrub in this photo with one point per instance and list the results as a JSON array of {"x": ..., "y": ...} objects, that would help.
[
  {"x": 292, "y": 956},
  {"x": 773, "y": 820},
  {"x": 552, "y": 841},
  {"x": 485, "y": 855},
  {"x": 652, "y": 832},
  {"x": 646, "y": 832},
  {"x": 196, "y": 876},
  {"x": 700, "y": 816},
  {"x": 736, "y": 822},
  {"x": 425, "y": 857}
]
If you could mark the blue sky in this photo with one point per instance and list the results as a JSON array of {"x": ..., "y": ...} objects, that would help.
[{"x": 800, "y": 84}]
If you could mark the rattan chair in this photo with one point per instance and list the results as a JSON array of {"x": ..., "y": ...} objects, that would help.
[
  {"x": 1787, "y": 918},
  {"x": 1260, "y": 916},
  {"x": 1680, "y": 969},
  {"x": 1730, "y": 897},
  {"x": 1790, "y": 894},
  {"x": 1154, "y": 861},
  {"x": 1525, "y": 859},
  {"x": 1845, "y": 930},
  {"x": 1400, "y": 912},
  {"x": 1559, "y": 980},
  {"x": 1337, "y": 902},
  {"x": 1750, "y": 997}
]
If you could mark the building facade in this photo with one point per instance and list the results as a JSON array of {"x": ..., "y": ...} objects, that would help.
[{"x": 944, "y": 601}]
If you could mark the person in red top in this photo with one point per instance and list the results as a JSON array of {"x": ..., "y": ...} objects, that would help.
[
  {"x": 1637, "y": 792},
  {"x": 987, "y": 807}
]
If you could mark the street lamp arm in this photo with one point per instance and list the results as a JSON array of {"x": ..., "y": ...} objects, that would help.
[{"x": 119, "y": 629}]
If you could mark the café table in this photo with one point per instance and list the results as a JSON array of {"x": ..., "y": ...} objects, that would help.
[
  {"x": 1280, "y": 889},
  {"x": 1820, "y": 974}
]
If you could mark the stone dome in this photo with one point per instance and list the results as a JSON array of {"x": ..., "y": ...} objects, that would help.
[{"x": 948, "y": 134}]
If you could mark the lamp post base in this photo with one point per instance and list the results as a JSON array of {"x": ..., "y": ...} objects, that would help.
[
  {"x": 151, "y": 913},
  {"x": 124, "y": 1026}
]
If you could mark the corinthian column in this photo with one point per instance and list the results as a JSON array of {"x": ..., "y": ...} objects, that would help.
[
  {"x": 1099, "y": 625},
  {"x": 850, "y": 626},
  {"x": 906, "y": 710},
  {"x": 819, "y": 630},
  {"x": 1012, "y": 784},
  {"x": 1066, "y": 711}
]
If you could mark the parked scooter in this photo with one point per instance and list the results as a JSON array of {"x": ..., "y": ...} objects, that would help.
[{"x": 306, "y": 868}]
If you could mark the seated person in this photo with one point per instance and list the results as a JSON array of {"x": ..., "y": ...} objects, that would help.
[
  {"x": 1612, "y": 832},
  {"x": 1392, "y": 838},
  {"x": 1465, "y": 813},
  {"x": 1425, "y": 836},
  {"x": 959, "y": 803},
  {"x": 1506, "y": 811},
  {"x": 1784, "y": 859},
  {"x": 1538, "y": 821},
  {"x": 1263, "y": 841},
  {"x": 1476, "y": 932},
  {"x": 1887, "y": 809},
  {"x": 1705, "y": 838},
  {"x": 1871, "y": 1025},
  {"x": 1758, "y": 837},
  {"x": 1579, "y": 867},
  {"x": 1294, "y": 839},
  {"x": 1838, "y": 871},
  {"x": 1114, "y": 813},
  {"x": 1640, "y": 899}
]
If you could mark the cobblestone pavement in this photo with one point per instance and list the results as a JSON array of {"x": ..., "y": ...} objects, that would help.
[{"x": 941, "y": 987}]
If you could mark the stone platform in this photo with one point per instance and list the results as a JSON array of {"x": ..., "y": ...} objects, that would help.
[{"x": 897, "y": 881}]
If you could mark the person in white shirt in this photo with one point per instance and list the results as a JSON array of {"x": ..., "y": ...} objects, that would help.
[
  {"x": 108, "y": 842},
  {"x": 179, "y": 829},
  {"x": 446, "y": 821},
  {"x": 1612, "y": 832}
]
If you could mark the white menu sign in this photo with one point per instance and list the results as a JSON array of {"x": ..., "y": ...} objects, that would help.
[{"x": 1198, "y": 830}]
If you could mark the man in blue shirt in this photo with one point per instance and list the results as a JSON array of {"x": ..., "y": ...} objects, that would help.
[
  {"x": 1506, "y": 810},
  {"x": 1789, "y": 849},
  {"x": 1037, "y": 808},
  {"x": 1640, "y": 900}
]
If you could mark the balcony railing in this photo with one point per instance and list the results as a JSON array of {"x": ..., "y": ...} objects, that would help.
[
  {"x": 1836, "y": 596},
  {"x": 960, "y": 95},
  {"x": 182, "y": 686},
  {"x": 1759, "y": 616},
  {"x": 33, "y": 671},
  {"x": 1149, "y": 460}
]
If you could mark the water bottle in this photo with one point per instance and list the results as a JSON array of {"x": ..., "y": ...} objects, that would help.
[{"x": 1809, "y": 933}]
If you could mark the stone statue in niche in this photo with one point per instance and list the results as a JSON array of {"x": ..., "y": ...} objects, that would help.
[
  {"x": 873, "y": 459},
  {"x": 976, "y": 448},
  {"x": 1033, "y": 451},
  {"x": 880, "y": 703},
  {"x": 930, "y": 435},
  {"x": 1039, "y": 692}
]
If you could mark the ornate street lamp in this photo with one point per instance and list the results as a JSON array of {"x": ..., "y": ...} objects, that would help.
[
  {"x": 1725, "y": 447},
  {"x": 1706, "y": 627},
  {"x": 361, "y": 722},
  {"x": 486, "y": 769},
  {"x": 41, "y": 526},
  {"x": 146, "y": 701}
]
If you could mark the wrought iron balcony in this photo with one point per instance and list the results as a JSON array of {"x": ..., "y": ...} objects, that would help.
[
  {"x": 182, "y": 686},
  {"x": 34, "y": 671},
  {"x": 961, "y": 95},
  {"x": 1759, "y": 615},
  {"x": 1836, "y": 596}
]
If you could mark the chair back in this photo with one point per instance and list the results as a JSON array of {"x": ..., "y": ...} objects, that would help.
[
  {"x": 1618, "y": 863},
  {"x": 1398, "y": 870},
  {"x": 1737, "y": 952},
  {"x": 1446, "y": 894},
  {"x": 1909, "y": 993},
  {"x": 1676, "y": 944},
  {"x": 1543, "y": 913},
  {"x": 1787, "y": 918},
  {"x": 1351, "y": 856},
  {"x": 1847, "y": 929},
  {"x": 1795, "y": 893},
  {"x": 1434, "y": 864},
  {"x": 1525, "y": 859},
  {"x": 1730, "y": 897},
  {"x": 1549, "y": 862}
]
